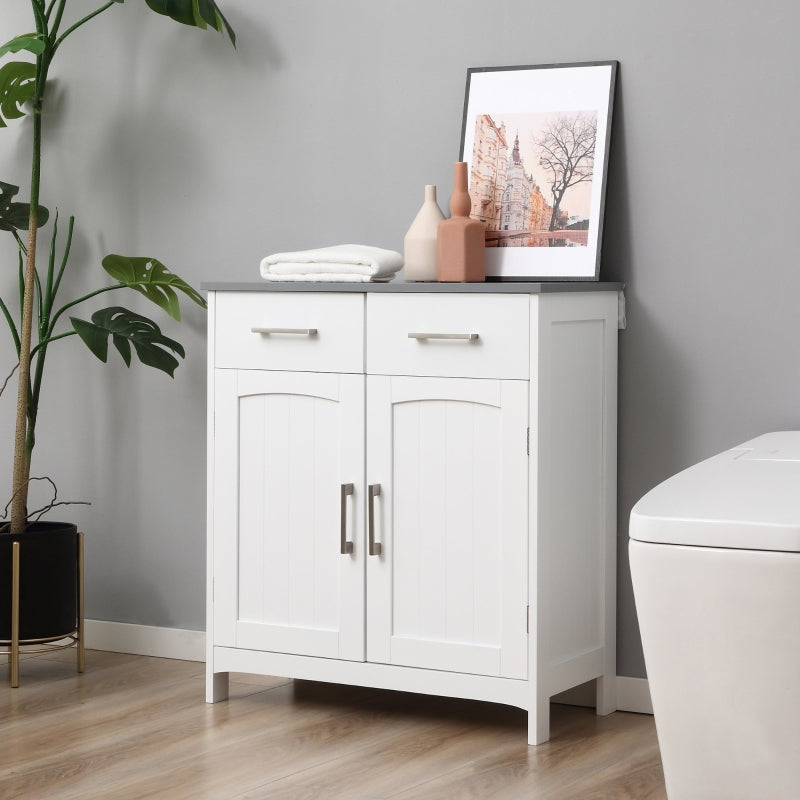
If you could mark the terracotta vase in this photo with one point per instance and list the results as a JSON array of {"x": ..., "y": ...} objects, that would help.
[
  {"x": 460, "y": 244},
  {"x": 419, "y": 244}
]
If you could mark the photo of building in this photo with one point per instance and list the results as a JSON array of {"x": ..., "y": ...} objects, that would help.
[{"x": 522, "y": 190}]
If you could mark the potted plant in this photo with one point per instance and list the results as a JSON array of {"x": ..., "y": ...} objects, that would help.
[{"x": 45, "y": 578}]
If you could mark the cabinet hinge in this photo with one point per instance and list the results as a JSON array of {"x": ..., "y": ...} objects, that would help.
[
  {"x": 527, "y": 619},
  {"x": 528, "y": 442}
]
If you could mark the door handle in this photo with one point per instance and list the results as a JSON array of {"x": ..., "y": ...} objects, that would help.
[
  {"x": 345, "y": 546},
  {"x": 374, "y": 547}
]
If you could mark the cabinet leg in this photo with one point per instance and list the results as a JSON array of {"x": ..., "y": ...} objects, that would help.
[
  {"x": 216, "y": 686},
  {"x": 539, "y": 720},
  {"x": 606, "y": 695}
]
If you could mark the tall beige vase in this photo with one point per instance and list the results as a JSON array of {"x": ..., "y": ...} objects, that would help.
[
  {"x": 420, "y": 242},
  {"x": 460, "y": 244}
]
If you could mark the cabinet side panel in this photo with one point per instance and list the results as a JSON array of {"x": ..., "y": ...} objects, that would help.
[
  {"x": 576, "y": 431},
  {"x": 574, "y": 476}
]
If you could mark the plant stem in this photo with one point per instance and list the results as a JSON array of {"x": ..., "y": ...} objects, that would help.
[
  {"x": 22, "y": 437},
  {"x": 52, "y": 339},
  {"x": 19, "y": 515},
  {"x": 81, "y": 300},
  {"x": 83, "y": 21}
]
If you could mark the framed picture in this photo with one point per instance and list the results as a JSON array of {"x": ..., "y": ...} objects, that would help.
[{"x": 536, "y": 140}]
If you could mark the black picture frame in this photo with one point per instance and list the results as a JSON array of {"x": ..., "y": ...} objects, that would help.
[{"x": 536, "y": 139}]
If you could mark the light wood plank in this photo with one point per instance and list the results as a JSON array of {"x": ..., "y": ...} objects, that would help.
[{"x": 134, "y": 727}]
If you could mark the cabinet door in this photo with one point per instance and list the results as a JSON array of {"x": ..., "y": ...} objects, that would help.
[
  {"x": 285, "y": 445},
  {"x": 448, "y": 590}
]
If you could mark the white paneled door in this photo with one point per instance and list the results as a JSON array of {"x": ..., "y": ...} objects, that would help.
[
  {"x": 448, "y": 589},
  {"x": 289, "y": 512}
]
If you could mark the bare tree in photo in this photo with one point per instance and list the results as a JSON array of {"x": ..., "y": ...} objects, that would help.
[{"x": 567, "y": 153}]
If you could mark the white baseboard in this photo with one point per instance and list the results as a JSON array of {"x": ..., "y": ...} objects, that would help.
[
  {"x": 144, "y": 640},
  {"x": 633, "y": 694}
]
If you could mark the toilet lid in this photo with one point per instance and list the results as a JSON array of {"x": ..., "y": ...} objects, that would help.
[{"x": 745, "y": 498}]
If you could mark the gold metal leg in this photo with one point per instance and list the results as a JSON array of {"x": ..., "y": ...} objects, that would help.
[
  {"x": 81, "y": 652},
  {"x": 14, "y": 653}
]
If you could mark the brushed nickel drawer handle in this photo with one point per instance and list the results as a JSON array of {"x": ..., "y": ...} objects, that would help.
[
  {"x": 470, "y": 337},
  {"x": 345, "y": 546},
  {"x": 301, "y": 331},
  {"x": 374, "y": 547}
]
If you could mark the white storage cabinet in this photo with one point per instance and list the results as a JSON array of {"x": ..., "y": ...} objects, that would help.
[{"x": 414, "y": 490}]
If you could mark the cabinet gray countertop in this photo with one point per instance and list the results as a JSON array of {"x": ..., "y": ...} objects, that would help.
[{"x": 487, "y": 287}]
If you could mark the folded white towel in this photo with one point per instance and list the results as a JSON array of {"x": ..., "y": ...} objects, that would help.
[{"x": 344, "y": 262}]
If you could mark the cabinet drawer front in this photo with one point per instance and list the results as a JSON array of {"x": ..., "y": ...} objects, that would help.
[
  {"x": 478, "y": 336},
  {"x": 290, "y": 331}
]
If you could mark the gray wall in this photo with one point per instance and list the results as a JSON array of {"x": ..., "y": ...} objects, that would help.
[{"x": 323, "y": 128}]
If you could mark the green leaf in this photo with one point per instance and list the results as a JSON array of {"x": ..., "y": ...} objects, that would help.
[
  {"x": 198, "y": 13},
  {"x": 32, "y": 42},
  {"x": 125, "y": 329},
  {"x": 16, "y": 215},
  {"x": 152, "y": 279},
  {"x": 17, "y": 84}
]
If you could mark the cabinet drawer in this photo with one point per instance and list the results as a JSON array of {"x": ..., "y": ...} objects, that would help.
[
  {"x": 462, "y": 335},
  {"x": 302, "y": 331}
]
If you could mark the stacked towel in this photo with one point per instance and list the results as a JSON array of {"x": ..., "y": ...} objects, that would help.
[{"x": 343, "y": 262}]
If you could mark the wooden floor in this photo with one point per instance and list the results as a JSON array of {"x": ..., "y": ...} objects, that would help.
[{"x": 138, "y": 727}]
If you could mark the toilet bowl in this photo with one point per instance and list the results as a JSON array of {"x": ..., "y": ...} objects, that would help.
[{"x": 715, "y": 562}]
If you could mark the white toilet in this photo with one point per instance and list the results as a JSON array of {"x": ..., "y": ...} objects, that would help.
[{"x": 715, "y": 561}]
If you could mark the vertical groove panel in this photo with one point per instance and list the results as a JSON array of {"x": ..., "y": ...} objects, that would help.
[
  {"x": 447, "y": 521},
  {"x": 326, "y": 499},
  {"x": 251, "y": 511},
  {"x": 275, "y": 525},
  {"x": 301, "y": 457},
  {"x": 460, "y": 500},
  {"x": 408, "y": 514},
  {"x": 489, "y": 524},
  {"x": 433, "y": 519}
]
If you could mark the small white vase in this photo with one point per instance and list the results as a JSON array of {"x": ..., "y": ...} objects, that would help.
[{"x": 420, "y": 242}]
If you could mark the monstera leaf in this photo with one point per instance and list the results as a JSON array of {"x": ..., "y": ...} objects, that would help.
[
  {"x": 16, "y": 215},
  {"x": 152, "y": 279},
  {"x": 32, "y": 42},
  {"x": 125, "y": 329},
  {"x": 17, "y": 83},
  {"x": 200, "y": 13}
]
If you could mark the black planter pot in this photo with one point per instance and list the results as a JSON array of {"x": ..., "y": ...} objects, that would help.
[{"x": 48, "y": 581}]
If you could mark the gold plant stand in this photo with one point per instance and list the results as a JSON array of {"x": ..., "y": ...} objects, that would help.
[{"x": 46, "y": 645}]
